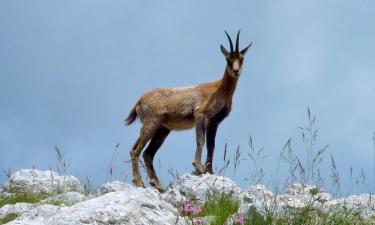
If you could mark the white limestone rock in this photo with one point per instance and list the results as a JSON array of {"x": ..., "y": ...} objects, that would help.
[
  {"x": 133, "y": 206},
  {"x": 301, "y": 195},
  {"x": 364, "y": 203},
  {"x": 295, "y": 196},
  {"x": 18, "y": 209},
  {"x": 307, "y": 194},
  {"x": 200, "y": 220},
  {"x": 66, "y": 199},
  {"x": 174, "y": 196},
  {"x": 257, "y": 196},
  {"x": 37, "y": 214},
  {"x": 112, "y": 187},
  {"x": 36, "y": 181},
  {"x": 197, "y": 187},
  {"x": 4, "y": 194}
]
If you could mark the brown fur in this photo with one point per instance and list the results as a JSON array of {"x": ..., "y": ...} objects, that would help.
[{"x": 203, "y": 106}]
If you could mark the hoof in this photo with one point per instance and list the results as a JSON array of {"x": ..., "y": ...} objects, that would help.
[
  {"x": 138, "y": 183},
  {"x": 198, "y": 172},
  {"x": 208, "y": 170},
  {"x": 160, "y": 189},
  {"x": 157, "y": 186},
  {"x": 198, "y": 168}
]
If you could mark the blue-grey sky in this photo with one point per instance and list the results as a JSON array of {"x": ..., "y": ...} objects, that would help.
[{"x": 70, "y": 71}]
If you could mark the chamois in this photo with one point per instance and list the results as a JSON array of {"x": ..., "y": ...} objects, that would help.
[{"x": 203, "y": 106}]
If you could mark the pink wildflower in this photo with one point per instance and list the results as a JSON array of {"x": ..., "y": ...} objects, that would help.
[
  {"x": 196, "y": 210},
  {"x": 188, "y": 208},
  {"x": 240, "y": 219},
  {"x": 198, "y": 221}
]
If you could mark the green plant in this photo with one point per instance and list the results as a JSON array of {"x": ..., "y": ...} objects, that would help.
[
  {"x": 8, "y": 218},
  {"x": 25, "y": 197},
  {"x": 220, "y": 207}
]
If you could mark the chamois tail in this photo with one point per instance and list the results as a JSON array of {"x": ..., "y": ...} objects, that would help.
[{"x": 132, "y": 116}]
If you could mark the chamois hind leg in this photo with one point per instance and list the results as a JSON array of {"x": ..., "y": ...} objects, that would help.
[
  {"x": 210, "y": 136},
  {"x": 148, "y": 155},
  {"x": 147, "y": 132},
  {"x": 200, "y": 129}
]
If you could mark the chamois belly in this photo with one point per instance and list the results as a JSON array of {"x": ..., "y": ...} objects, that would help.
[{"x": 179, "y": 123}]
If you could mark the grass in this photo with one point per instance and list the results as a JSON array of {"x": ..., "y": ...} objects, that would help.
[
  {"x": 303, "y": 167},
  {"x": 57, "y": 202},
  {"x": 8, "y": 218},
  {"x": 220, "y": 207},
  {"x": 223, "y": 208},
  {"x": 23, "y": 197},
  {"x": 310, "y": 216}
]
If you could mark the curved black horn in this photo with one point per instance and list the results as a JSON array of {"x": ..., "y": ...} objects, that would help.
[
  {"x": 238, "y": 40},
  {"x": 230, "y": 41}
]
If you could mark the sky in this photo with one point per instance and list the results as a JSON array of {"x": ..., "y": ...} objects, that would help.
[{"x": 70, "y": 72}]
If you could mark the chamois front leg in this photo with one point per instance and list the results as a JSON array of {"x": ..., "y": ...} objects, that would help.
[
  {"x": 200, "y": 129},
  {"x": 211, "y": 135}
]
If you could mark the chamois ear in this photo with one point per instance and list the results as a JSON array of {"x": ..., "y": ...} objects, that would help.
[
  {"x": 224, "y": 51},
  {"x": 243, "y": 51}
]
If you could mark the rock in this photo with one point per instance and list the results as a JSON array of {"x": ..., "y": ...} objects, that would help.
[
  {"x": 37, "y": 215},
  {"x": 112, "y": 187},
  {"x": 296, "y": 196},
  {"x": 363, "y": 203},
  {"x": 5, "y": 194},
  {"x": 257, "y": 196},
  {"x": 193, "y": 187},
  {"x": 174, "y": 196},
  {"x": 302, "y": 195},
  {"x": 67, "y": 199},
  {"x": 35, "y": 181},
  {"x": 18, "y": 209},
  {"x": 307, "y": 194},
  {"x": 199, "y": 220},
  {"x": 133, "y": 206}
]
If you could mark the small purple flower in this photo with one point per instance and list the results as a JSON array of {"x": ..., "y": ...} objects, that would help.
[
  {"x": 240, "y": 219},
  {"x": 188, "y": 208},
  {"x": 198, "y": 221},
  {"x": 196, "y": 210}
]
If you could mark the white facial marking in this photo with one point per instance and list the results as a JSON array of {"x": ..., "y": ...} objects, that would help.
[{"x": 236, "y": 65}]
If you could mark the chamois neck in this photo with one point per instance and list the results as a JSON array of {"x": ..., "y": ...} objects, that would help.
[{"x": 228, "y": 83}]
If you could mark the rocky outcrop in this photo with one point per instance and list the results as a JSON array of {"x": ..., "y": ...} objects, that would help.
[
  {"x": 257, "y": 196},
  {"x": 112, "y": 187},
  {"x": 65, "y": 199},
  {"x": 36, "y": 181},
  {"x": 18, "y": 209},
  {"x": 364, "y": 204},
  {"x": 198, "y": 188},
  {"x": 118, "y": 202},
  {"x": 135, "y": 206}
]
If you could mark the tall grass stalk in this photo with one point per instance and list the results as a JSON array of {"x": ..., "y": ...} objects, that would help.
[
  {"x": 110, "y": 166},
  {"x": 61, "y": 164}
]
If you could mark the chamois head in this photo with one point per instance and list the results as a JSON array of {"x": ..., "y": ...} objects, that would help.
[{"x": 234, "y": 58}]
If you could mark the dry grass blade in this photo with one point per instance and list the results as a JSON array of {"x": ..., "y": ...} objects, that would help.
[
  {"x": 110, "y": 166},
  {"x": 61, "y": 166},
  {"x": 335, "y": 176}
]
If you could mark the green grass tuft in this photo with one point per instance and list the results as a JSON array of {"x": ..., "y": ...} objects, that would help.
[
  {"x": 8, "y": 218},
  {"x": 220, "y": 207},
  {"x": 23, "y": 197},
  {"x": 308, "y": 216}
]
